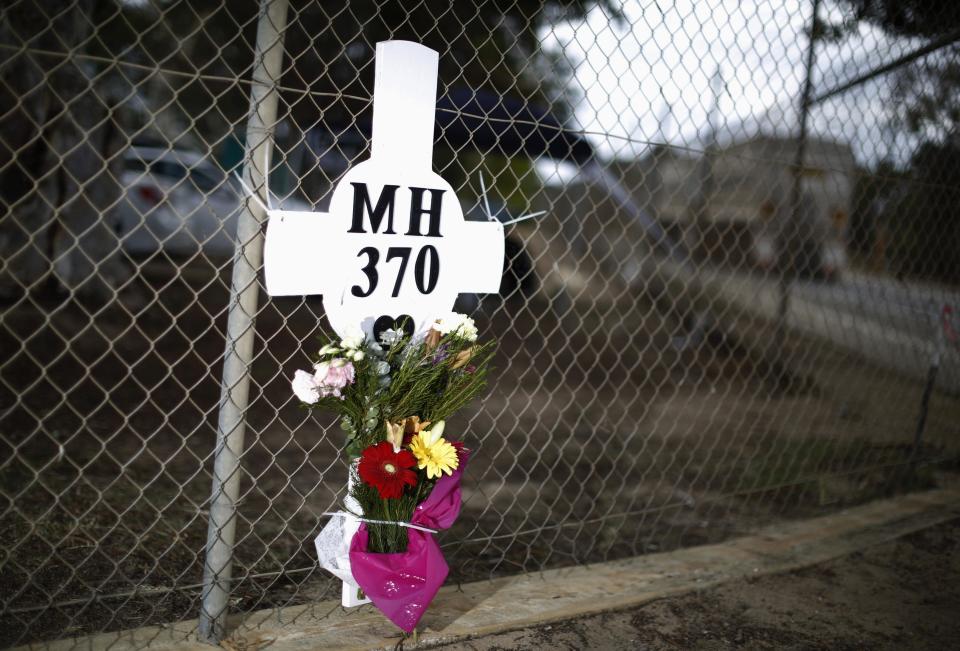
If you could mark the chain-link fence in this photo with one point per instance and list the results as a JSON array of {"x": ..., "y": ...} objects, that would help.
[{"x": 740, "y": 306}]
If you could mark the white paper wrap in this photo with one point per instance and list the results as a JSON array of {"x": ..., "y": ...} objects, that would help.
[{"x": 333, "y": 550}]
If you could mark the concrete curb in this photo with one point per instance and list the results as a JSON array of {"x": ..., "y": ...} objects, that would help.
[{"x": 511, "y": 603}]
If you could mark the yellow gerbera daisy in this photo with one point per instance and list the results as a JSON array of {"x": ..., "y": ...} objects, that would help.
[{"x": 433, "y": 452}]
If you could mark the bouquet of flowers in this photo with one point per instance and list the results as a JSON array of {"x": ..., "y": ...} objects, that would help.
[{"x": 394, "y": 396}]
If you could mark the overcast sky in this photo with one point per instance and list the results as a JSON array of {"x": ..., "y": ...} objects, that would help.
[{"x": 650, "y": 79}]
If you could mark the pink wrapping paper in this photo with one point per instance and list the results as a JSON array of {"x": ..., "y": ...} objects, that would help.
[{"x": 403, "y": 585}]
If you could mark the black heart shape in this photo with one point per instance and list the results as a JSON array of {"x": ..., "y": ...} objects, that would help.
[{"x": 403, "y": 322}]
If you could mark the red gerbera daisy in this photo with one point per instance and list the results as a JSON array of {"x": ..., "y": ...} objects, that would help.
[{"x": 386, "y": 470}]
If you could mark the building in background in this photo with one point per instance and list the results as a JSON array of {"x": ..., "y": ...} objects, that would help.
[{"x": 734, "y": 205}]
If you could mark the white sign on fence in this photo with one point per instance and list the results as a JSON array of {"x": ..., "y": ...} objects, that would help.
[{"x": 395, "y": 242}]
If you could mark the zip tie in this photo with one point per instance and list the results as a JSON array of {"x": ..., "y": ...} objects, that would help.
[
  {"x": 409, "y": 525},
  {"x": 266, "y": 173},
  {"x": 250, "y": 193},
  {"x": 521, "y": 218},
  {"x": 490, "y": 217},
  {"x": 486, "y": 202}
]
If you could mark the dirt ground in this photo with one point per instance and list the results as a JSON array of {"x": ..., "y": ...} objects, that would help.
[
  {"x": 599, "y": 439},
  {"x": 900, "y": 595}
]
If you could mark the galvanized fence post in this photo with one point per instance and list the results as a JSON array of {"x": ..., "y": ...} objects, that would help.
[
  {"x": 787, "y": 235},
  {"x": 238, "y": 356}
]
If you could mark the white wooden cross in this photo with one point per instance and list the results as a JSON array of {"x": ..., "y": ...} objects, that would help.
[{"x": 394, "y": 242}]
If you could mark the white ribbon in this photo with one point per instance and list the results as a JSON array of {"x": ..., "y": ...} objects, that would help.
[{"x": 409, "y": 525}]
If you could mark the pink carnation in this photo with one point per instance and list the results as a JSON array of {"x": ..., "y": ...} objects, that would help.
[{"x": 332, "y": 377}]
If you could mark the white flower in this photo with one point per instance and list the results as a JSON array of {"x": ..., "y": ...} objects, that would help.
[
  {"x": 459, "y": 324},
  {"x": 320, "y": 371},
  {"x": 355, "y": 355},
  {"x": 329, "y": 349},
  {"x": 305, "y": 388},
  {"x": 353, "y": 340},
  {"x": 390, "y": 336},
  {"x": 434, "y": 434},
  {"x": 468, "y": 331}
]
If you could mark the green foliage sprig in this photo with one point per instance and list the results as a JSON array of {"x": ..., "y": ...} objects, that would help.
[{"x": 422, "y": 382}]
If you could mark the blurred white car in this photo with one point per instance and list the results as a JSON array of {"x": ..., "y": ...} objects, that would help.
[{"x": 178, "y": 202}]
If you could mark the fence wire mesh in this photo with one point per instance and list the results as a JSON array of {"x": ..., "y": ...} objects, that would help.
[{"x": 730, "y": 314}]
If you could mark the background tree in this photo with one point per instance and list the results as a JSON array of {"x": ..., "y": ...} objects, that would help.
[
  {"x": 926, "y": 93},
  {"x": 921, "y": 214},
  {"x": 925, "y": 219},
  {"x": 329, "y": 51},
  {"x": 87, "y": 78}
]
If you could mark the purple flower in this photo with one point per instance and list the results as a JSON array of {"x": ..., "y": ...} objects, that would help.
[{"x": 440, "y": 354}]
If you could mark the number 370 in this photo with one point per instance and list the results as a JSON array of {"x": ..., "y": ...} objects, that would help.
[{"x": 426, "y": 269}]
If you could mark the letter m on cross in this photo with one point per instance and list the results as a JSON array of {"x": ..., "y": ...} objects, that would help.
[{"x": 362, "y": 206}]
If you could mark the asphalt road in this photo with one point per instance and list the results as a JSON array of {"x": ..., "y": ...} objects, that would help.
[
  {"x": 895, "y": 324},
  {"x": 912, "y": 308}
]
